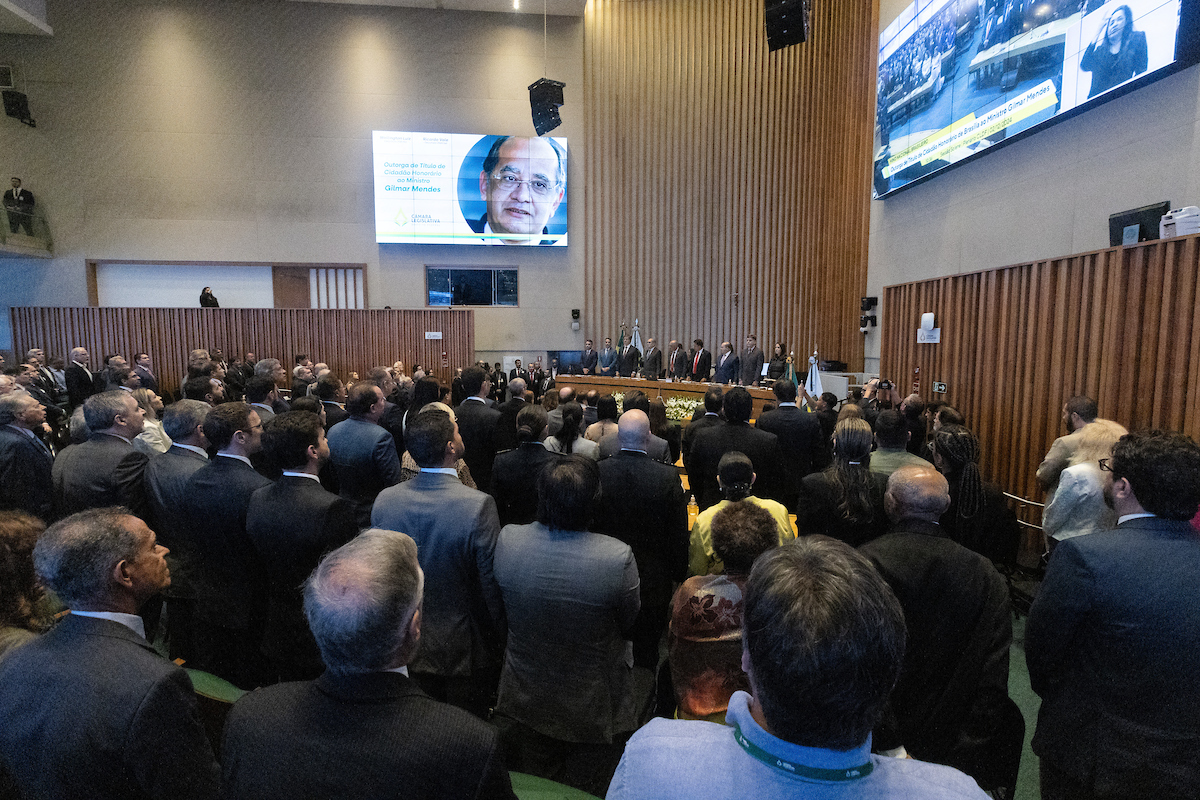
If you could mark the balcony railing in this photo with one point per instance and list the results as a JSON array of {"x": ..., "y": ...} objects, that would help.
[{"x": 24, "y": 235}]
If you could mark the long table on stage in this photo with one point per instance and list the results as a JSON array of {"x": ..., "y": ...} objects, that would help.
[{"x": 653, "y": 389}]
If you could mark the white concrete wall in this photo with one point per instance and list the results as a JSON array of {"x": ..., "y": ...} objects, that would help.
[
  {"x": 188, "y": 130},
  {"x": 1048, "y": 195}
]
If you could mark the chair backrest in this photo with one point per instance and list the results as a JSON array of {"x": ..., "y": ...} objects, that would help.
[{"x": 214, "y": 697}]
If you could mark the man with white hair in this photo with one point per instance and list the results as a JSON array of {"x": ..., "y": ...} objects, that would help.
[{"x": 364, "y": 728}]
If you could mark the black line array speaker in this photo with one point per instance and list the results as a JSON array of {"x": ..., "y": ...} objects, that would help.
[
  {"x": 787, "y": 23},
  {"x": 545, "y": 96},
  {"x": 16, "y": 105}
]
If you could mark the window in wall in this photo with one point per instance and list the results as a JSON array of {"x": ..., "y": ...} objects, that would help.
[{"x": 470, "y": 286}]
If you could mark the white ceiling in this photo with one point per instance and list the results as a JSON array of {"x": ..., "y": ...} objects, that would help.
[
  {"x": 17, "y": 18},
  {"x": 566, "y": 8}
]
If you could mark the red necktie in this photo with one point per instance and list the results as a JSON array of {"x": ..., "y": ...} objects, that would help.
[{"x": 696, "y": 363}]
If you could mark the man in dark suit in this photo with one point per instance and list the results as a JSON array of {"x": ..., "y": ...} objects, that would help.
[
  {"x": 81, "y": 383},
  {"x": 643, "y": 504},
  {"x": 727, "y": 365},
  {"x": 363, "y": 453},
  {"x": 167, "y": 477},
  {"x": 231, "y": 595},
  {"x": 518, "y": 372},
  {"x": 292, "y": 523},
  {"x": 332, "y": 394},
  {"x": 590, "y": 412},
  {"x": 799, "y": 437},
  {"x": 658, "y": 448},
  {"x": 629, "y": 360},
  {"x": 951, "y": 705},
  {"x": 760, "y": 447},
  {"x": 364, "y": 728},
  {"x": 677, "y": 361},
  {"x": 144, "y": 369},
  {"x": 26, "y": 463},
  {"x": 652, "y": 362},
  {"x": 19, "y": 204},
  {"x": 477, "y": 424},
  {"x": 91, "y": 710},
  {"x": 455, "y": 529},
  {"x": 589, "y": 358},
  {"x": 506, "y": 424},
  {"x": 751, "y": 361},
  {"x": 699, "y": 361},
  {"x": 499, "y": 384},
  {"x": 705, "y": 416},
  {"x": 515, "y": 472},
  {"x": 106, "y": 470},
  {"x": 1113, "y": 638}
]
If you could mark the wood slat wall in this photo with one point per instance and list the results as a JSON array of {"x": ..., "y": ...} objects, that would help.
[
  {"x": 347, "y": 340},
  {"x": 727, "y": 186},
  {"x": 1121, "y": 325}
]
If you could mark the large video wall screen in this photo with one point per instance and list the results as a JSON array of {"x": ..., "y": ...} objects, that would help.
[
  {"x": 470, "y": 189},
  {"x": 957, "y": 77}
]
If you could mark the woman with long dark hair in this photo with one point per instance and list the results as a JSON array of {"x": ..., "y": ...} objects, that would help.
[
  {"x": 425, "y": 391},
  {"x": 778, "y": 365},
  {"x": 606, "y": 418},
  {"x": 978, "y": 517},
  {"x": 845, "y": 500},
  {"x": 1116, "y": 54},
  {"x": 663, "y": 428},
  {"x": 569, "y": 438},
  {"x": 22, "y": 612},
  {"x": 207, "y": 299}
]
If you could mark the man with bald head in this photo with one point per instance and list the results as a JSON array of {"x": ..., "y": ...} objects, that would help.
[
  {"x": 643, "y": 504},
  {"x": 951, "y": 705},
  {"x": 523, "y": 182},
  {"x": 505, "y": 437}
]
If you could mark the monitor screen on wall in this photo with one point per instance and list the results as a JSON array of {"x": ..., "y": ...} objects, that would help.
[
  {"x": 957, "y": 77},
  {"x": 470, "y": 189}
]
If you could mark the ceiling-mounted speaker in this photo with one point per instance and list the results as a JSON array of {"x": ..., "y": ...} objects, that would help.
[
  {"x": 787, "y": 23},
  {"x": 545, "y": 97},
  {"x": 16, "y": 105}
]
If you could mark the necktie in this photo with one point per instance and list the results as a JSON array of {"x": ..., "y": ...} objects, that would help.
[{"x": 696, "y": 363}]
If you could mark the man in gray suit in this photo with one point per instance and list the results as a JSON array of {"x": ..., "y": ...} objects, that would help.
[
  {"x": 101, "y": 715},
  {"x": 106, "y": 470},
  {"x": 363, "y": 453},
  {"x": 652, "y": 361},
  {"x": 565, "y": 704},
  {"x": 455, "y": 529},
  {"x": 167, "y": 477}
]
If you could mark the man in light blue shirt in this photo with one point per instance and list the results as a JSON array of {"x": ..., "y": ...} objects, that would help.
[{"x": 824, "y": 643}]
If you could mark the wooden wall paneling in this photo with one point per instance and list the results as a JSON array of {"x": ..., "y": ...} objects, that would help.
[
  {"x": 349, "y": 340},
  {"x": 1121, "y": 325},
  {"x": 725, "y": 184}
]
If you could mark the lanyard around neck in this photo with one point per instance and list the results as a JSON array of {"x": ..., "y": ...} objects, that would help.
[{"x": 801, "y": 770}]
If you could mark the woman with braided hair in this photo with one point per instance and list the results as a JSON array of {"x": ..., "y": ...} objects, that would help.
[
  {"x": 978, "y": 517},
  {"x": 845, "y": 500}
]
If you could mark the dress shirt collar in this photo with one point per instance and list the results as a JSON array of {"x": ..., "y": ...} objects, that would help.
[
  {"x": 333, "y": 403},
  {"x": 786, "y": 405},
  {"x": 263, "y": 405},
  {"x": 441, "y": 470},
  {"x": 131, "y": 621},
  {"x": 633, "y": 450},
  {"x": 81, "y": 366},
  {"x": 293, "y": 474},
  {"x": 1127, "y": 517},
  {"x": 848, "y": 762},
  {"x": 480, "y": 399},
  {"x": 23, "y": 431},
  {"x": 402, "y": 670},
  {"x": 193, "y": 448},
  {"x": 243, "y": 459},
  {"x": 711, "y": 414}
]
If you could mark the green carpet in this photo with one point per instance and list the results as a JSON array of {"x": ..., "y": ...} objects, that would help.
[{"x": 1022, "y": 694}]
